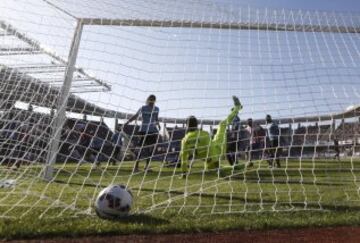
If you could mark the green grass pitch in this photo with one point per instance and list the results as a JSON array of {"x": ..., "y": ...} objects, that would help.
[{"x": 303, "y": 193}]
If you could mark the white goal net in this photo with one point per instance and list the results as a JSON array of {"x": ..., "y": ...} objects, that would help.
[{"x": 72, "y": 74}]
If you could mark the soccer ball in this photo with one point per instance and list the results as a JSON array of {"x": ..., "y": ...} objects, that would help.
[{"x": 113, "y": 201}]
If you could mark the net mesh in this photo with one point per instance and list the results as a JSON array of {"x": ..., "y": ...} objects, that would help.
[{"x": 73, "y": 73}]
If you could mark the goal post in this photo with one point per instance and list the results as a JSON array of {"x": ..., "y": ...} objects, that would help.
[{"x": 60, "y": 115}]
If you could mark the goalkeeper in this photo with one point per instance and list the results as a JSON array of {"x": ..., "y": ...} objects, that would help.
[{"x": 197, "y": 144}]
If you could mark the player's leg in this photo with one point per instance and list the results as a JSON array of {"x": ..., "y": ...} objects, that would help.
[
  {"x": 218, "y": 145},
  {"x": 150, "y": 144},
  {"x": 220, "y": 137},
  {"x": 337, "y": 155},
  {"x": 231, "y": 150},
  {"x": 269, "y": 152},
  {"x": 250, "y": 154},
  {"x": 277, "y": 152},
  {"x": 142, "y": 136},
  {"x": 146, "y": 150},
  {"x": 114, "y": 155}
]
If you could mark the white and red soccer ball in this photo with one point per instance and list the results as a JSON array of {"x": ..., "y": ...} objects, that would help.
[{"x": 113, "y": 201}]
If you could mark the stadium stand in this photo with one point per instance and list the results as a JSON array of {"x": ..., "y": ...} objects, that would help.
[
  {"x": 80, "y": 135},
  {"x": 348, "y": 131},
  {"x": 24, "y": 136}
]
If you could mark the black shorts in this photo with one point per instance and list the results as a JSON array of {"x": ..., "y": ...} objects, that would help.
[
  {"x": 232, "y": 147},
  {"x": 274, "y": 143},
  {"x": 273, "y": 148},
  {"x": 147, "y": 143},
  {"x": 147, "y": 139}
]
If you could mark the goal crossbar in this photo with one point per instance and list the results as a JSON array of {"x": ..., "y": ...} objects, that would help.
[{"x": 217, "y": 25}]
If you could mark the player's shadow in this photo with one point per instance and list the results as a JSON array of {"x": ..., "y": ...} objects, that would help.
[
  {"x": 342, "y": 208},
  {"x": 140, "y": 219}
]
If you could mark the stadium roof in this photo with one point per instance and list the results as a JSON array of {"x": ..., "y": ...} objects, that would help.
[
  {"x": 41, "y": 62},
  {"x": 17, "y": 86}
]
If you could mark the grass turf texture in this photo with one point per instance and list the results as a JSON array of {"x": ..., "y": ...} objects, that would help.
[{"x": 304, "y": 193}]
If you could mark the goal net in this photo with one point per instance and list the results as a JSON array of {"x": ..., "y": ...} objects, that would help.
[{"x": 72, "y": 74}]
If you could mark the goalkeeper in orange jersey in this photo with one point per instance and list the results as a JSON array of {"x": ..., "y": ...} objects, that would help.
[{"x": 197, "y": 144}]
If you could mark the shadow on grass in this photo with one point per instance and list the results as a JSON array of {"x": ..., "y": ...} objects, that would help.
[
  {"x": 85, "y": 171},
  {"x": 80, "y": 184},
  {"x": 139, "y": 219},
  {"x": 341, "y": 208},
  {"x": 310, "y": 183}
]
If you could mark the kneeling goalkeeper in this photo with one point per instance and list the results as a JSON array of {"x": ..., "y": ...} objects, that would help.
[{"x": 197, "y": 144}]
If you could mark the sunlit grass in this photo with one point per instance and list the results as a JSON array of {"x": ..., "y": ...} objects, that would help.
[{"x": 302, "y": 193}]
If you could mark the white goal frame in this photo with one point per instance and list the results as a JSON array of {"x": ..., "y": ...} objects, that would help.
[{"x": 76, "y": 41}]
